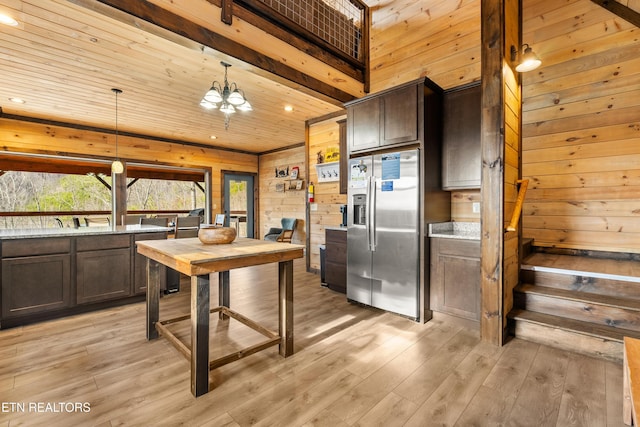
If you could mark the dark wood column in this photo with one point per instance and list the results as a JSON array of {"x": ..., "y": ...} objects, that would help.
[
  {"x": 501, "y": 27},
  {"x": 119, "y": 195}
]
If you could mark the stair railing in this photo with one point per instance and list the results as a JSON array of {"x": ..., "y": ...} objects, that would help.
[{"x": 515, "y": 217}]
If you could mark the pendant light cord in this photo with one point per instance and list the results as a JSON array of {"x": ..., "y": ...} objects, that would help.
[{"x": 116, "y": 91}]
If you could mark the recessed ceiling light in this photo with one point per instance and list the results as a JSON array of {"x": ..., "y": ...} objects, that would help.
[
  {"x": 288, "y": 108},
  {"x": 213, "y": 137},
  {"x": 7, "y": 20},
  {"x": 17, "y": 100}
]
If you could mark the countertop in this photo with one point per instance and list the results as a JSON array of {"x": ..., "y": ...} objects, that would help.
[
  {"x": 455, "y": 230},
  {"x": 335, "y": 227},
  {"x": 31, "y": 233}
]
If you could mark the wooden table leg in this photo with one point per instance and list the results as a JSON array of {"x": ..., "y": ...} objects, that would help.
[
  {"x": 153, "y": 298},
  {"x": 200, "y": 335},
  {"x": 224, "y": 298},
  {"x": 285, "y": 306}
]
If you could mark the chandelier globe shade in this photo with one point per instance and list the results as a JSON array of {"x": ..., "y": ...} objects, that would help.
[{"x": 225, "y": 96}]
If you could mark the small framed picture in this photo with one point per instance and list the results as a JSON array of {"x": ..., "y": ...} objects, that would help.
[
  {"x": 299, "y": 185},
  {"x": 294, "y": 172},
  {"x": 282, "y": 172}
]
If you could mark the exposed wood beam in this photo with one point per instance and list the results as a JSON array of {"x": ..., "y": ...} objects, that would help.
[
  {"x": 301, "y": 44},
  {"x": 263, "y": 17},
  {"x": 102, "y": 181},
  {"x": 620, "y": 10},
  {"x": 171, "y": 22},
  {"x": 112, "y": 131},
  {"x": 133, "y": 181},
  {"x": 227, "y": 12},
  {"x": 50, "y": 164}
]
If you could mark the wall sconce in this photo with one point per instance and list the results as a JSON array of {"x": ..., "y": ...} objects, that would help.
[{"x": 528, "y": 60}]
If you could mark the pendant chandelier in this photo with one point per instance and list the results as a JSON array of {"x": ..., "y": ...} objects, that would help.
[
  {"x": 227, "y": 97},
  {"x": 116, "y": 166}
]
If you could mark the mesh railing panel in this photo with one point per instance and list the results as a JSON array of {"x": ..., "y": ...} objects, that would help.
[{"x": 338, "y": 22}]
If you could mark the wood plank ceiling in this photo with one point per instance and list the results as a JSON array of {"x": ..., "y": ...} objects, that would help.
[{"x": 63, "y": 59}]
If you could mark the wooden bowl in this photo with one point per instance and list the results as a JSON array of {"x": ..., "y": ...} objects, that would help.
[{"x": 212, "y": 235}]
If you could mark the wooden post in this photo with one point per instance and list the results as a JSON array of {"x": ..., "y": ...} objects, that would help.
[
  {"x": 119, "y": 195},
  {"x": 500, "y": 22},
  {"x": 224, "y": 294},
  {"x": 285, "y": 306},
  {"x": 153, "y": 297},
  {"x": 200, "y": 335}
]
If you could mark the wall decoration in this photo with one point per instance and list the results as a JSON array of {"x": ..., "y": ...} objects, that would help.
[
  {"x": 328, "y": 171},
  {"x": 333, "y": 154},
  {"x": 280, "y": 187},
  {"x": 282, "y": 172},
  {"x": 294, "y": 172}
]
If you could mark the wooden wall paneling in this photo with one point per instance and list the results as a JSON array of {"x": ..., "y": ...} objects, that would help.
[
  {"x": 451, "y": 55},
  {"x": 462, "y": 205},
  {"x": 583, "y": 222},
  {"x": 588, "y": 150},
  {"x": 581, "y": 143},
  {"x": 322, "y": 135},
  {"x": 614, "y": 132},
  {"x": 512, "y": 158},
  {"x": 407, "y": 38},
  {"x": 593, "y": 105},
  {"x": 592, "y": 168},
  {"x": 593, "y": 122},
  {"x": 275, "y": 205},
  {"x": 612, "y": 179}
]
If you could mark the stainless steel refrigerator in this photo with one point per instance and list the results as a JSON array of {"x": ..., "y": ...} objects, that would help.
[{"x": 383, "y": 231}]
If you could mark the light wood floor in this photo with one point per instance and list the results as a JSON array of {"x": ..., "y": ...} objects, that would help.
[{"x": 353, "y": 366}]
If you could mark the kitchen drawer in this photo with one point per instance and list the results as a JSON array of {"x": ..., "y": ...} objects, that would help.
[
  {"x": 33, "y": 247},
  {"x": 96, "y": 243}
]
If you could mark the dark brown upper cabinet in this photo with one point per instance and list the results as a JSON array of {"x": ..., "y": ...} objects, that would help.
[
  {"x": 461, "y": 156},
  {"x": 385, "y": 119}
]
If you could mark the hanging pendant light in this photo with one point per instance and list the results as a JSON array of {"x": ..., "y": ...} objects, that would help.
[
  {"x": 227, "y": 97},
  {"x": 116, "y": 166}
]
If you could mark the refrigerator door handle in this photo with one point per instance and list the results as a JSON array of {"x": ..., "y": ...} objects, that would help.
[
  {"x": 367, "y": 204},
  {"x": 372, "y": 210}
]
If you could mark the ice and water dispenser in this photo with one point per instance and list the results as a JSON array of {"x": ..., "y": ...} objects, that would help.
[{"x": 359, "y": 209}]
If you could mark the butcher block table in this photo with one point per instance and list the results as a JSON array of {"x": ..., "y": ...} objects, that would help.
[{"x": 198, "y": 261}]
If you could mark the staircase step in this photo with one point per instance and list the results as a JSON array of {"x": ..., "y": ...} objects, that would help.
[
  {"x": 573, "y": 335},
  {"x": 584, "y": 274},
  {"x": 600, "y": 309}
]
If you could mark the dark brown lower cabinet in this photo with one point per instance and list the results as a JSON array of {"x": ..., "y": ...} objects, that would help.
[
  {"x": 35, "y": 284},
  {"x": 335, "y": 273},
  {"x": 455, "y": 277},
  {"x": 56, "y": 276},
  {"x": 140, "y": 265},
  {"x": 103, "y": 275}
]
